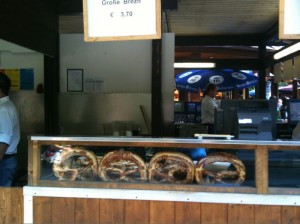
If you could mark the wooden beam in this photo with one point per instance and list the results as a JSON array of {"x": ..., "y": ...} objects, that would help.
[
  {"x": 156, "y": 89},
  {"x": 219, "y": 40},
  {"x": 51, "y": 80},
  {"x": 262, "y": 72},
  {"x": 271, "y": 34},
  {"x": 261, "y": 170}
]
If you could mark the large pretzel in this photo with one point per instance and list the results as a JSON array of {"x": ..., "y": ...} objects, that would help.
[
  {"x": 203, "y": 175},
  {"x": 75, "y": 163},
  {"x": 171, "y": 167},
  {"x": 122, "y": 166}
]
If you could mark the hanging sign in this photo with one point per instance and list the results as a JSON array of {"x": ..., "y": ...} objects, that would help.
[
  {"x": 112, "y": 20},
  {"x": 289, "y": 19}
]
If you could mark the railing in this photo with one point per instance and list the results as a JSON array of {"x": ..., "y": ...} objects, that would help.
[{"x": 260, "y": 148}]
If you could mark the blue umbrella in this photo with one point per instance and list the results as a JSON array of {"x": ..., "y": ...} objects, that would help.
[{"x": 226, "y": 80}]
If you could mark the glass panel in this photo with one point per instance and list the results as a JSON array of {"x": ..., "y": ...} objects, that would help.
[
  {"x": 148, "y": 165},
  {"x": 284, "y": 168}
]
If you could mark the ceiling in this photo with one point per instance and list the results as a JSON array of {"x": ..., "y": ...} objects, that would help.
[
  {"x": 196, "y": 17},
  {"x": 222, "y": 17},
  {"x": 201, "y": 25}
]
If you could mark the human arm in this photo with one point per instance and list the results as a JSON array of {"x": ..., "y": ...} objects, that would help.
[
  {"x": 6, "y": 132},
  {"x": 3, "y": 148}
]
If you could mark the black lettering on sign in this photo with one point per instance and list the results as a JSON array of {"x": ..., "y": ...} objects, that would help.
[
  {"x": 132, "y": 2},
  {"x": 110, "y": 2}
]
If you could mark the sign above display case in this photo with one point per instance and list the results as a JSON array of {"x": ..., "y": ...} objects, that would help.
[
  {"x": 115, "y": 20},
  {"x": 289, "y": 19}
]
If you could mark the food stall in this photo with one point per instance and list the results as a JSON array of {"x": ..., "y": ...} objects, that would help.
[{"x": 147, "y": 180}]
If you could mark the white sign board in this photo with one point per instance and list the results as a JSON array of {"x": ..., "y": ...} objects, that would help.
[
  {"x": 107, "y": 20},
  {"x": 289, "y": 19}
]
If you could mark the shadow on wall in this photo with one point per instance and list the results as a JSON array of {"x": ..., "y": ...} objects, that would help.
[
  {"x": 87, "y": 113},
  {"x": 30, "y": 107}
]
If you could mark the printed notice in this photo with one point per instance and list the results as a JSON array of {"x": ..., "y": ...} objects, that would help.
[
  {"x": 122, "y": 19},
  {"x": 14, "y": 75}
]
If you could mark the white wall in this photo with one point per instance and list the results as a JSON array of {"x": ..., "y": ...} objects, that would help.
[
  {"x": 13, "y": 56},
  {"x": 168, "y": 82},
  {"x": 124, "y": 67},
  {"x": 87, "y": 114}
]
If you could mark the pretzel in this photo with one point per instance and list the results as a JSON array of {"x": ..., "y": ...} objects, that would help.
[
  {"x": 237, "y": 176},
  {"x": 75, "y": 163},
  {"x": 122, "y": 166},
  {"x": 171, "y": 167}
]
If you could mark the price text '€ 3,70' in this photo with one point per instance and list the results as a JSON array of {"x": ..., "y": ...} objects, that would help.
[{"x": 122, "y": 14}]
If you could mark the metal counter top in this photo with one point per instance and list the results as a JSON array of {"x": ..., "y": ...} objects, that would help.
[{"x": 163, "y": 140}]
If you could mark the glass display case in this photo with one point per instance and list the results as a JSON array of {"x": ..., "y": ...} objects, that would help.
[{"x": 154, "y": 163}]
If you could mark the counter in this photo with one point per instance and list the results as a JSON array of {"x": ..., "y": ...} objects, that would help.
[
  {"x": 260, "y": 148},
  {"x": 126, "y": 200}
]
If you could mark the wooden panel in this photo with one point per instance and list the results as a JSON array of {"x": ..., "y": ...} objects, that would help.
[
  {"x": 111, "y": 211},
  {"x": 42, "y": 210},
  {"x": 214, "y": 213},
  {"x": 46, "y": 210},
  {"x": 5, "y": 205},
  {"x": 17, "y": 207},
  {"x": 241, "y": 214},
  {"x": 267, "y": 214},
  {"x": 148, "y": 186},
  {"x": 86, "y": 210},
  {"x": 261, "y": 169},
  {"x": 290, "y": 215},
  {"x": 137, "y": 212},
  {"x": 187, "y": 213},
  {"x": 30, "y": 163},
  {"x": 288, "y": 70},
  {"x": 11, "y": 205},
  {"x": 277, "y": 73},
  {"x": 36, "y": 160},
  {"x": 63, "y": 210},
  {"x": 297, "y": 67},
  {"x": 162, "y": 212}
]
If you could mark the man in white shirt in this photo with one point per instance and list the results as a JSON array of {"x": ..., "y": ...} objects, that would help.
[
  {"x": 9, "y": 134},
  {"x": 208, "y": 106}
]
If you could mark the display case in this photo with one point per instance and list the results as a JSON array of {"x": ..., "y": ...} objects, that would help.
[{"x": 231, "y": 166}]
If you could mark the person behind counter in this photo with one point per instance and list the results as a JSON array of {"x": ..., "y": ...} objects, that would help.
[
  {"x": 9, "y": 134},
  {"x": 209, "y": 104}
]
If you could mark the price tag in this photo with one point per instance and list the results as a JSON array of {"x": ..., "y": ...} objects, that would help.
[{"x": 107, "y": 20}]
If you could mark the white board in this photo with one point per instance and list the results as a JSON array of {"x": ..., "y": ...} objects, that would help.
[
  {"x": 109, "y": 20},
  {"x": 289, "y": 19}
]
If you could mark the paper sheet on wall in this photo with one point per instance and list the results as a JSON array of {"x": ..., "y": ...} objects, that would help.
[
  {"x": 27, "y": 79},
  {"x": 14, "y": 75},
  {"x": 21, "y": 79}
]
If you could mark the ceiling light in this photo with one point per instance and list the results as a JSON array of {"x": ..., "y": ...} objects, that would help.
[
  {"x": 287, "y": 51},
  {"x": 194, "y": 65}
]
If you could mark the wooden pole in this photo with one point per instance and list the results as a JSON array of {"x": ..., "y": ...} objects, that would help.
[
  {"x": 156, "y": 87},
  {"x": 51, "y": 80},
  {"x": 262, "y": 71},
  {"x": 295, "y": 88}
]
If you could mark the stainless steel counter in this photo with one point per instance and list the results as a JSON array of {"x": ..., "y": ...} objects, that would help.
[{"x": 163, "y": 140}]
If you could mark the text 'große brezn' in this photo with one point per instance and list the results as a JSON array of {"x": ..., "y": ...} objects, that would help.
[{"x": 117, "y": 2}]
